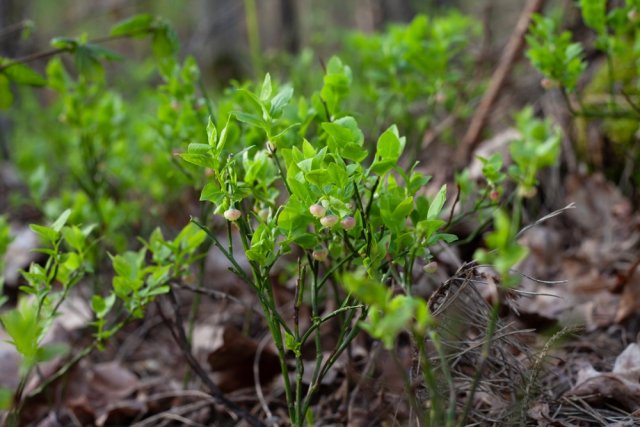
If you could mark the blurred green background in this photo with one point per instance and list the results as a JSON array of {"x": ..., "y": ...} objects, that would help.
[{"x": 217, "y": 32}]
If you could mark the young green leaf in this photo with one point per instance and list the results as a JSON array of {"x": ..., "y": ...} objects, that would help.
[
  {"x": 594, "y": 14},
  {"x": 265, "y": 92},
  {"x": 21, "y": 74},
  {"x": 133, "y": 26},
  {"x": 437, "y": 203}
]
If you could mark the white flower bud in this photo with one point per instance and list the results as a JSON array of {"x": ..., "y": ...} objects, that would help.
[
  {"x": 430, "y": 268},
  {"x": 320, "y": 254},
  {"x": 329, "y": 221},
  {"x": 348, "y": 223},
  {"x": 317, "y": 210},
  {"x": 232, "y": 214}
]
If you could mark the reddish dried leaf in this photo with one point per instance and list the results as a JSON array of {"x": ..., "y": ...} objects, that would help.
[{"x": 233, "y": 361}]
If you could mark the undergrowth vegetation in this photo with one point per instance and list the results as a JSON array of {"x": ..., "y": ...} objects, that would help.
[{"x": 321, "y": 182}]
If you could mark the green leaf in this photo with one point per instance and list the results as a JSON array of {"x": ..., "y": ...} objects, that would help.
[
  {"x": 190, "y": 238},
  {"x": 88, "y": 63},
  {"x": 212, "y": 193},
  {"x": 390, "y": 145},
  {"x": 22, "y": 74},
  {"x": 158, "y": 277},
  {"x": 25, "y": 329},
  {"x": 6, "y": 97},
  {"x": 265, "y": 92},
  {"x": 74, "y": 237},
  {"x": 198, "y": 148},
  {"x": 281, "y": 100},
  {"x": 50, "y": 351},
  {"x": 46, "y": 234},
  {"x": 366, "y": 289},
  {"x": 101, "y": 306},
  {"x": 402, "y": 211},
  {"x": 57, "y": 75},
  {"x": 129, "y": 264},
  {"x": 212, "y": 133},
  {"x": 197, "y": 159},
  {"x": 250, "y": 119},
  {"x": 64, "y": 43},
  {"x": 437, "y": 203},
  {"x": 344, "y": 130},
  {"x": 165, "y": 40},
  {"x": 135, "y": 25},
  {"x": 224, "y": 133},
  {"x": 346, "y": 138},
  {"x": 61, "y": 221},
  {"x": 291, "y": 343},
  {"x": 594, "y": 14}
]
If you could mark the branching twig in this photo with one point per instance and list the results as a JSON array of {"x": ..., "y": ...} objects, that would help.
[
  {"x": 179, "y": 335},
  {"x": 47, "y": 53}
]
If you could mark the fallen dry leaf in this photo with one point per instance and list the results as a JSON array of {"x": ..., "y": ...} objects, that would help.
[
  {"x": 621, "y": 384},
  {"x": 233, "y": 361},
  {"x": 630, "y": 300},
  {"x": 95, "y": 390}
]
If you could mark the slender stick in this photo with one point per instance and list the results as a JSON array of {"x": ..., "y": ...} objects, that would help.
[
  {"x": 176, "y": 328},
  {"x": 47, "y": 53},
  {"x": 511, "y": 54}
]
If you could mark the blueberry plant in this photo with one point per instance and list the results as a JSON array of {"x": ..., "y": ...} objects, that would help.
[
  {"x": 296, "y": 180},
  {"x": 609, "y": 95}
]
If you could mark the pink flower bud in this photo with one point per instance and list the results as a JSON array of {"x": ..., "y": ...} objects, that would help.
[
  {"x": 317, "y": 210},
  {"x": 430, "y": 268},
  {"x": 329, "y": 221},
  {"x": 494, "y": 195},
  {"x": 348, "y": 222},
  {"x": 232, "y": 214},
  {"x": 320, "y": 254}
]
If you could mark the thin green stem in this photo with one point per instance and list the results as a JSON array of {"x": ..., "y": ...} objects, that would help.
[
  {"x": 328, "y": 317},
  {"x": 344, "y": 343},
  {"x": 430, "y": 380},
  {"x": 451, "y": 411},
  {"x": 315, "y": 310},
  {"x": 229, "y": 256},
  {"x": 283, "y": 176},
  {"x": 612, "y": 83},
  {"x": 296, "y": 325},
  {"x": 195, "y": 304}
]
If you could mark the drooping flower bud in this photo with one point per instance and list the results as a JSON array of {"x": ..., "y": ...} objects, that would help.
[
  {"x": 329, "y": 221},
  {"x": 232, "y": 214},
  {"x": 430, "y": 268},
  {"x": 317, "y": 210},
  {"x": 320, "y": 254},
  {"x": 348, "y": 222}
]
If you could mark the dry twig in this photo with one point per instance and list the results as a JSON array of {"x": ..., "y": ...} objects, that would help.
[{"x": 511, "y": 54}]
